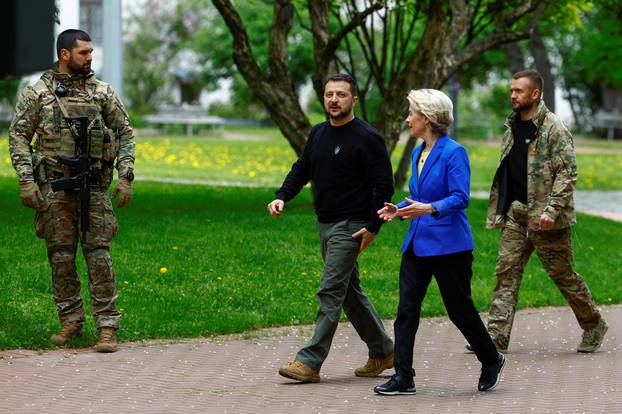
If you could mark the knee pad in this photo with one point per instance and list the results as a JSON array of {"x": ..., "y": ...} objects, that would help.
[{"x": 62, "y": 260}]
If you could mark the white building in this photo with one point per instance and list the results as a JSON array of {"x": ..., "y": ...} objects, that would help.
[{"x": 102, "y": 20}]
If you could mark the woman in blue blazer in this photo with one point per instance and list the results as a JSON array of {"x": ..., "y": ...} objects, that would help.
[{"x": 438, "y": 242}]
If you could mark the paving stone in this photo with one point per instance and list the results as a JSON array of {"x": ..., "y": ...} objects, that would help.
[{"x": 544, "y": 374}]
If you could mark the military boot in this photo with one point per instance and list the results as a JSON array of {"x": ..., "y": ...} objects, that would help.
[
  {"x": 107, "y": 341},
  {"x": 299, "y": 371},
  {"x": 375, "y": 366},
  {"x": 593, "y": 338},
  {"x": 68, "y": 330}
]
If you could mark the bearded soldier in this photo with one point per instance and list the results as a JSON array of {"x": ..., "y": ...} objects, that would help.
[
  {"x": 68, "y": 131},
  {"x": 531, "y": 200}
]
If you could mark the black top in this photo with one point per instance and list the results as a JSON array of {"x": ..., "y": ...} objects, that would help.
[
  {"x": 524, "y": 132},
  {"x": 351, "y": 172}
]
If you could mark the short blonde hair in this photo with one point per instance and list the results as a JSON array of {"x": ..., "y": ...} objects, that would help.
[{"x": 434, "y": 105}]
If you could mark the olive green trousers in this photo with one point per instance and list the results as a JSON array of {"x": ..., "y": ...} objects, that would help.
[{"x": 340, "y": 288}]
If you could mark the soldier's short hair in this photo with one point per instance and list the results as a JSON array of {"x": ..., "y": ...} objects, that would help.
[
  {"x": 534, "y": 77},
  {"x": 67, "y": 39},
  {"x": 343, "y": 77},
  {"x": 434, "y": 105}
]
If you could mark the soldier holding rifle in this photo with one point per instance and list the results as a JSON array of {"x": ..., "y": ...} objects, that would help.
[{"x": 69, "y": 132}]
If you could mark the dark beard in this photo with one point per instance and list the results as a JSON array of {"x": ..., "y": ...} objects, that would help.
[
  {"x": 344, "y": 113},
  {"x": 523, "y": 107},
  {"x": 340, "y": 115},
  {"x": 77, "y": 69}
]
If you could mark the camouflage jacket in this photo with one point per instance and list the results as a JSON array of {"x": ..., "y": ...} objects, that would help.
[
  {"x": 551, "y": 174},
  {"x": 34, "y": 134}
]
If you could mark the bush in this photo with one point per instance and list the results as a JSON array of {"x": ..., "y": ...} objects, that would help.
[{"x": 483, "y": 110}]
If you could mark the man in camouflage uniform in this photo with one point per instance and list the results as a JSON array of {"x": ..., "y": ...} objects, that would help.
[
  {"x": 531, "y": 200},
  {"x": 38, "y": 135}
]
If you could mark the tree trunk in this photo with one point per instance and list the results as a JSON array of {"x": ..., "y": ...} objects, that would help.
[
  {"x": 543, "y": 64},
  {"x": 405, "y": 161},
  {"x": 438, "y": 55},
  {"x": 453, "y": 90},
  {"x": 455, "y": 31},
  {"x": 515, "y": 58},
  {"x": 574, "y": 103},
  {"x": 276, "y": 90},
  {"x": 325, "y": 45},
  {"x": 424, "y": 68}
]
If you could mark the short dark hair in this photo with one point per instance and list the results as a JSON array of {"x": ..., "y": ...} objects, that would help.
[
  {"x": 534, "y": 77},
  {"x": 343, "y": 77},
  {"x": 67, "y": 39}
]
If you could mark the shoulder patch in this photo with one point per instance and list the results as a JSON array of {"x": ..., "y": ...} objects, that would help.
[{"x": 40, "y": 87}]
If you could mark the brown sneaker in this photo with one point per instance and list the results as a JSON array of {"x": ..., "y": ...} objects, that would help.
[
  {"x": 375, "y": 366},
  {"x": 593, "y": 338},
  {"x": 67, "y": 331},
  {"x": 299, "y": 371},
  {"x": 107, "y": 341}
]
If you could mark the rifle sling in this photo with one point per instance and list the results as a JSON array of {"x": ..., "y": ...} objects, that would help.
[{"x": 66, "y": 116}]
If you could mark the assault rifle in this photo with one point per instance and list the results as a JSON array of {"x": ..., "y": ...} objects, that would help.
[{"x": 85, "y": 177}]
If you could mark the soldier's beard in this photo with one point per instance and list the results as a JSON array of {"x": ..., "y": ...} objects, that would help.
[
  {"x": 79, "y": 69},
  {"x": 523, "y": 107}
]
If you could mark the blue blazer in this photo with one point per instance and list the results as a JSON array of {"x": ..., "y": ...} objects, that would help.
[{"x": 445, "y": 183}]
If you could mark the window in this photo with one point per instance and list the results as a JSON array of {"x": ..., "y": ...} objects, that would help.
[{"x": 91, "y": 19}]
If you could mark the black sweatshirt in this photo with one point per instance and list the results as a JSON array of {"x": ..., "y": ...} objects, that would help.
[
  {"x": 351, "y": 172},
  {"x": 524, "y": 132}
]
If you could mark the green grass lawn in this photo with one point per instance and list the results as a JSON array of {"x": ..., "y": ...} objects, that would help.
[
  {"x": 230, "y": 267},
  {"x": 261, "y": 156}
]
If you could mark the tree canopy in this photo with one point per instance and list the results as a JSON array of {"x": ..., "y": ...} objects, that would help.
[
  {"x": 405, "y": 45},
  {"x": 270, "y": 49}
]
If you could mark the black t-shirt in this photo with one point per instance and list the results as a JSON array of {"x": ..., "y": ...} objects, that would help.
[
  {"x": 524, "y": 132},
  {"x": 351, "y": 173}
]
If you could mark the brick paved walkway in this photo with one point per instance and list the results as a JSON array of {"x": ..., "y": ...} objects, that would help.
[{"x": 232, "y": 374}]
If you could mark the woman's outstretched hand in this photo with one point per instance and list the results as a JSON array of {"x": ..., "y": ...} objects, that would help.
[
  {"x": 414, "y": 209},
  {"x": 388, "y": 212}
]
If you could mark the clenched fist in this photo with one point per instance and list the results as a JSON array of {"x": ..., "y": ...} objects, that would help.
[
  {"x": 124, "y": 189},
  {"x": 30, "y": 194},
  {"x": 275, "y": 207}
]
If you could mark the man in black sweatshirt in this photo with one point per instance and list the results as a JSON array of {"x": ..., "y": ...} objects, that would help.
[{"x": 348, "y": 162}]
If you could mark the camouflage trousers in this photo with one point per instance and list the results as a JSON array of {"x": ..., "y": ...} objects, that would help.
[
  {"x": 58, "y": 223},
  {"x": 554, "y": 250}
]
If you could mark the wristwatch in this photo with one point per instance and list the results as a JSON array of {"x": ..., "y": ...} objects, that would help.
[{"x": 129, "y": 176}]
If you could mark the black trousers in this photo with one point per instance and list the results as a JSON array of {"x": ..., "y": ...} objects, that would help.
[{"x": 453, "y": 275}]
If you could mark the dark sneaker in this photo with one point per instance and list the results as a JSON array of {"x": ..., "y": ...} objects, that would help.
[
  {"x": 299, "y": 371},
  {"x": 491, "y": 374},
  {"x": 375, "y": 366},
  {"x": 68, "y": 331},
  {"x": 593, "y": 338},
  {"x": 396, "y": 385}
]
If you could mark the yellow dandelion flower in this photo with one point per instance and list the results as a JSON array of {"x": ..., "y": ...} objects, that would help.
[{"x": 163, "y": 270}]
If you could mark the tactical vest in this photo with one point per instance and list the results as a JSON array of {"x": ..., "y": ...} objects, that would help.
[{"x": 102, "y": 142}]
